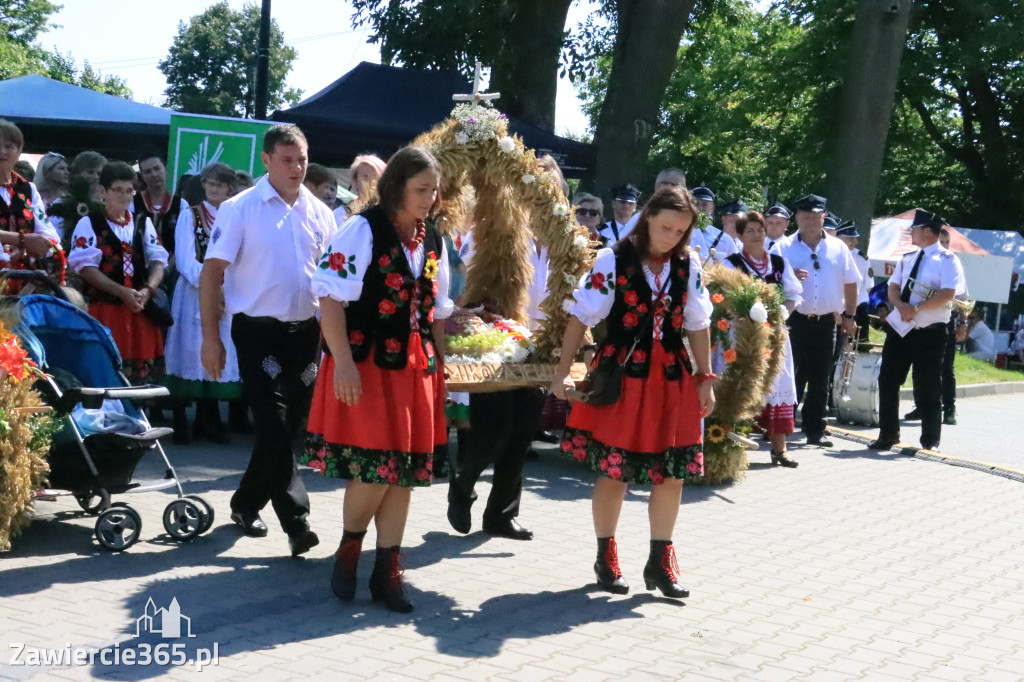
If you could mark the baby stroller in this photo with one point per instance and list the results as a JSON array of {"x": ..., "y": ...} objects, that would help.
[{"x": 85, "y": 387}]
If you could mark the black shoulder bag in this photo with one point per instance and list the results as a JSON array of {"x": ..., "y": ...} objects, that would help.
[
  {"x": 603, "y": 384},
  {"x": 157, "y": 308}
]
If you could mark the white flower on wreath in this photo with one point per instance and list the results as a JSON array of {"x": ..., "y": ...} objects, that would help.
[
  {"x": 461, "y": 138},
  {"x": 580, "y": 242},
  {"x": 570, "y": 279},
  {"x": 528, "y": 179},
  {"x": 559, "y": 210},
  {"x": 507, "y": 144},
  {"x": 758, "y": 313},
  {"x": 567, "y": 304}
]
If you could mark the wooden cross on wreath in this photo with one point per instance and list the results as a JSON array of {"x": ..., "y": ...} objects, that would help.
[{"x": 477, "y": 95}]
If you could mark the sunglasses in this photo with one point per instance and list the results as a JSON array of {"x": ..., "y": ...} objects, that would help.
[
  {"x": 588, "y": 212},
  {"x": 815, "y": 261}
]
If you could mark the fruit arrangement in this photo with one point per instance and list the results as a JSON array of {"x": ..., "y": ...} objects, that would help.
[{"x": 476, "y": 336}]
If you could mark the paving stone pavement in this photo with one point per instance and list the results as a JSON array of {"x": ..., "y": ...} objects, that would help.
[{"x": 856, "y": 565}]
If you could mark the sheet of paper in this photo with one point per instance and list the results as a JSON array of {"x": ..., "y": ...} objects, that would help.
[{"x": 897, "y": 323}]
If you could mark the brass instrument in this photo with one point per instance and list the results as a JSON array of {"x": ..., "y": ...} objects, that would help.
[
  {"x": 849, "y": 360},
  {"x": 966, "y": 306}
]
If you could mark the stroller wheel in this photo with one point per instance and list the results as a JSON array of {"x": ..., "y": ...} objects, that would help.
[
  {"x": 93, "y": 502},
  {"x": 118, "y": 528},
  {"x": 207, "y": 512},
  {"x": 183, "y": 519}
]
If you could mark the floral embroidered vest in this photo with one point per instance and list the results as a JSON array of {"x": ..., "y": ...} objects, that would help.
[
  {"x": 114, "y": 252},
  {"x": 200, "y": 232},
  {"x": 18, "y": 217},
  {"x": 164, "y": 222},
  {"x": 774, "y": 276},
  {"x": 632, "y": 305},
  {"x": 382, "y": 317}
]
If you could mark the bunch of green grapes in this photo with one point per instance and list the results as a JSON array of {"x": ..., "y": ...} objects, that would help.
[{"x": 477, "y": 344}]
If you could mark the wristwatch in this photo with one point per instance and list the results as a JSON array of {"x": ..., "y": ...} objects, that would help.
[{"x": 847, "y": 316}]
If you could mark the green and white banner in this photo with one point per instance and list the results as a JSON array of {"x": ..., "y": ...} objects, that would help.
[{"x": 196, "y": 141}]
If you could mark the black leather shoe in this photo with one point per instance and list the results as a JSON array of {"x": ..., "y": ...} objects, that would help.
[
  {"x": 781, "y": 459},
  {"x": 252, "y": 526},
  {"x": 460, "y": 507},
  {"x": 507, "y": 527},
  {"x": 949, "y": 419},
  {"x": 882, "y": 444},
  {"x": 819, "y": 441},
  {"x": 913, "y": 415},
  {"x": 302, "y": 542}
]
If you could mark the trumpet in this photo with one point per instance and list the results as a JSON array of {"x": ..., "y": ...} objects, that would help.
[
  {"x": 849, "y": 360},
  {"x": 965, "y": 306}
]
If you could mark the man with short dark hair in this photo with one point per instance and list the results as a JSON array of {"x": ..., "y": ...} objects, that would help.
[
  {"x": 921, "y": 290},
  {"x": 776, "y": 222},
  {"x": 322, "y": 184},
  {"x": 267, "y": 241},
  {"x": 155, "y": 201},
  {"x": 830, "y": 280}
]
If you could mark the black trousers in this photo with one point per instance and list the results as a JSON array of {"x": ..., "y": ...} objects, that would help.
[
  {"x": 277, "y": 363},
  {"x": 923, "y": 349},
  {"x": 862, "y": 320},
  {"x": 501, "y": 428},
  {"x": 813, "y": 339},
  {"x": 948, "y": 373}
]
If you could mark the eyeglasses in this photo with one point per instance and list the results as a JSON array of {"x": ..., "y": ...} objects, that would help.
[
  {"x": 593, "y": 212},
  {"x": 815, "y": 261}
]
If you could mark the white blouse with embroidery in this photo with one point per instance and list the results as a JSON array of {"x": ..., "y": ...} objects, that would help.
[
  {"x": 85, "y": 247},
  {"x": 185, "y": 243},
  {"x": 339, "y": 275},
  {"x": 596, "y": 293},
  {"x": 792, "y": 289}
]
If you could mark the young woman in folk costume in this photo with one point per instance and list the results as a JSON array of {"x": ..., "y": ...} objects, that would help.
[
  {"x": 378, "y": 406},
  {"x": 186, "y": 378},
  {"x": 122, "y": 263},
  {"x": 777, "y": 417},
  {"x": 27, "y": 239},
  {"x": 652, "y": 434}
]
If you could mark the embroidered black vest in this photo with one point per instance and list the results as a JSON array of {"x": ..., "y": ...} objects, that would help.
[
  {"x": 774, "y": 276},
  {"x": 112, "y": 260},
  {"x": 200, "y": 232},
  {"x": 633, "y": 303},
  {"x": 18, "y": 216},
  {"x": 381, "y": 318},
  {"x": 163, "y": 222}
]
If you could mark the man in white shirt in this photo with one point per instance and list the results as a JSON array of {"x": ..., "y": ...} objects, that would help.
[
  {"x": 981, "y": 342},
  {"x": 830, "y": 281},
  {"x": 730, "y": 214},
  {"x": 776, "y": 222},
  {"x": 265, "y": 248},
  {"x": 920, "y": 289},
  {"x": 624, "y": 201}
]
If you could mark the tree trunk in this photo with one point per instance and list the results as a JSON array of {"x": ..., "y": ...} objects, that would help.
[
  {"x": 869, "y": 90},
  {"x": 526, "y": 73},
  {"x": 643, "y": 60}
]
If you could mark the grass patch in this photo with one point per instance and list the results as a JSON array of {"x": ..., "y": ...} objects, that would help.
[{"x": 968, "y": 370}]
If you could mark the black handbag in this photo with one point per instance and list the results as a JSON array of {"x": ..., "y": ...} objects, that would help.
[
  {"x": 158, "y": 307},
  {"x": 603, "y": 384}
]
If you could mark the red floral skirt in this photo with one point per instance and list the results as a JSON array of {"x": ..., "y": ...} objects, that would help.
[
  {"x": 652, "y": 432},
  {"x": 397, "y": 434},
  {"x": 777, "y": 419},
  {"x": 138, "y": 339}
]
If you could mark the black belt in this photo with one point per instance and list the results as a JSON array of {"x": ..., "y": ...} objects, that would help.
[
  {"x": 826, "y": 316},
  {"x": 276, "y": 323}
]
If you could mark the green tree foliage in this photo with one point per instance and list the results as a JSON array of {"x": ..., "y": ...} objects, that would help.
[
  {"x": 211, "y": 67},
  {"x": 22, "y": 21}
]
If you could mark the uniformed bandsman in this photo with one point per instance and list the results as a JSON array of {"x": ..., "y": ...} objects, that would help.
[
  {"x": 921, "y": 290},
  {"x": 851, "y": 237},
  {"x": 776, "y": 223},
  {"x": 624, "y": 201}
]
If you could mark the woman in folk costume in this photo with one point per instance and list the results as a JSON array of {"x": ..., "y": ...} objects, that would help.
[
  {"x": 378, "y": 406},
  {"x": 777, "y": 417},
  {"x": 27, "y": 239},
  {"x": 122, "y": 263},
  {"x": 649, "y": 291},
  {"x": 186, "y": 378}
]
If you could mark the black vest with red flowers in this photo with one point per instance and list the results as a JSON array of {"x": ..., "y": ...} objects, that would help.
[
  {"x": 382, "y": 318},
  {"x": 165, "y": 221},
  {"x": 18, "y": 216},
  {"x": 774, "y": 276},
  {"x": 112, "y": 262},
  {"x": 632, "y": 305}
]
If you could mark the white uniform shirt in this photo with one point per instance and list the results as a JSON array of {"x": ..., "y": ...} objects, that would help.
[
  {"x": 608, "y": 233},
  {"x": 354, "y": 240},
  {"x": 596, "y": 293},
  {"x": 538, "y": 286},
  {"x": 273, "y": 249},
  {"x": 823, "y": 290},
  {"x": 866, "y": 281},
  {"x": 42, "y": 223},
  {"x": 982, "y": 344},
  {"x": 939, "y": 269},
  {"x": 86, "y": 251}
]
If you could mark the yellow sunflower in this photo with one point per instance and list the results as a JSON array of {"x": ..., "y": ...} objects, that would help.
[
  {"x": 430, "y": 266},
  {"x": 716, "y": 434}
]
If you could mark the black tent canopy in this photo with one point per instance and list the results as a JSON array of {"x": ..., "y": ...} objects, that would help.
[{"x": 378, "y": 109}]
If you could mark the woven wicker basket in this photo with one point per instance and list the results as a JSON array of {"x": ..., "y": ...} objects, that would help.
[{"x": 488, "y": 378}]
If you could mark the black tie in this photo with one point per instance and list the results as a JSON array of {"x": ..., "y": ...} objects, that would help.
[{"x": 905, "y": 294}]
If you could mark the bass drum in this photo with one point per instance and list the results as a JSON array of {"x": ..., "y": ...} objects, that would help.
[{"x": 862, "y": 406}]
